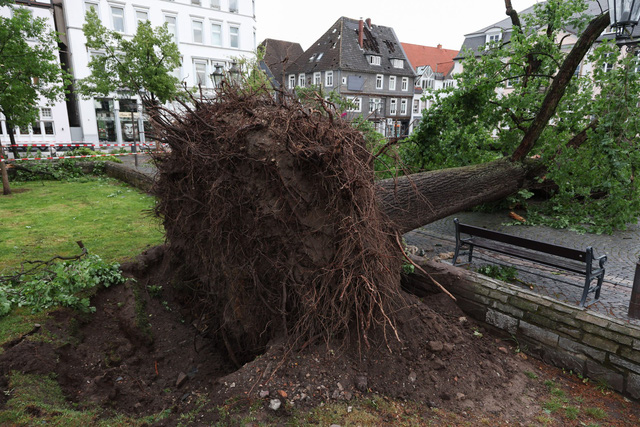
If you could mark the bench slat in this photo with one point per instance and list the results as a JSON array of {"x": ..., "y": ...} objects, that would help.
[
  {"x": 549, "y": 248},
  {"x": 528, "y": 255}
]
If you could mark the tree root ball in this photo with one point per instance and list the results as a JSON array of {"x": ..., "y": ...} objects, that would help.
[{"x": 269, "y": 208}]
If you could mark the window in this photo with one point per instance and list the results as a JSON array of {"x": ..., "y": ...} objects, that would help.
[
  {"x": 393, "y": 107},
  {"x": 355, "y": 103},
  {"x": 172, "y": 27},
  {"x": 196, "y": 29},
  {"x": 292, "y": 81},
  {"x": 375, "y": 105},
  {"x": 576, "y": 73},
  {"x": 200, "y": 68},
  {"x": 427, "y": 83},
  {"x": 416, "y": 106},
  {"x": 448, "y": 83},
  {"x": 89, "y": 5},
  {"x": 196, "y": 2},
  {"x": 405, "y": 84},
  {"x": 302, "y": 80},
  {"x": 397, "y": 63},
  {"x": 379, "y": 81},
  {"x": 392, "y": 82},
  {"x": 142, "y": 16},
  {"x": 117, "y": 18},
  {"x": 374, "y": 59},
  {"x": 216, "y": 34},
  {"x": 45, "y": 124},
  {"x": 328, "y": 79},
  {"x": 215, "y": 4},
  {"x": 317, "y": 79},
  {"x": 234, "y": 37},
  {"x": 403, "y": 107},
  {"x": 608, "y": 66},
  {"x": 233, "y": 6},
  {"x": 492, "y": 38}
]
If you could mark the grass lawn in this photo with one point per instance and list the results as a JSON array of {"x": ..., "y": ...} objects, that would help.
[{"x": 45, "y": 218}]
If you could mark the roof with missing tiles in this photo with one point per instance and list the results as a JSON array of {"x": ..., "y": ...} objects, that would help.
[
  {"x": 440, "y": 60},
  {"x": 339, "y": 49}
]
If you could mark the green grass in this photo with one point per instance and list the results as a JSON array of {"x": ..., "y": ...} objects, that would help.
[{"x": 45, "y": 218}]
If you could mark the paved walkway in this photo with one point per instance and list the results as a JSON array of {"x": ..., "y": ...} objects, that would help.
[{"x": 622, "y": 250}]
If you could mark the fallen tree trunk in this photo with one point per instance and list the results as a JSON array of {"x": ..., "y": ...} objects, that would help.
[{"x": 415, "y": 200}]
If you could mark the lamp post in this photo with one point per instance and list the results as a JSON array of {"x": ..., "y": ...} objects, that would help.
[
  {"x": 217, "y": 76},
  {"x": 625, "y": 15},
  {"x": 234, "y": 72}
]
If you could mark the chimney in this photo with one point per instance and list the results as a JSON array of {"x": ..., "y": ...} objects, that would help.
[
  {"x": 369, "y": 23},
  {"x": 361, "y": 33},
  {"x": 439, "y": 46}
]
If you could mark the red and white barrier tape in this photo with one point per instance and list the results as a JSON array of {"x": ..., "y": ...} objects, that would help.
[{"x": 72, "y": 157}]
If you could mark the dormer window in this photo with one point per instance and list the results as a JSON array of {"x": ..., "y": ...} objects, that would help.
[
  {"x": 374, "y": 59},
  {"x": 319, "y": 56},
  {"x": 397, "y": 63},
  {"x": 493, "y": 37}
]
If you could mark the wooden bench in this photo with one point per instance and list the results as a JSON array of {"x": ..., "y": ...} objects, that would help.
[{"x": 573, "y": 260}]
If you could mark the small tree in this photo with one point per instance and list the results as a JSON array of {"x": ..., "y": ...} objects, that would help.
[
  {"x": 29, "y": 71},
  {"x": 141, "y": 65}
]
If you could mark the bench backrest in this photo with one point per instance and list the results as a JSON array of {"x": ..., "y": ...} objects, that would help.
[{"x": 548, "y": 248}]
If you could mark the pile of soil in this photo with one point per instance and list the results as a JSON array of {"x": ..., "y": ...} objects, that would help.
[{"x": 141, "y": 353}]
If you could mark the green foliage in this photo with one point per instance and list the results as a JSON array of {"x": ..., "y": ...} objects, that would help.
[
  {"x": 29, "y": 67},
  {"x": 63, "y": 284},
  {"x": 141, "y": 65},
  {"x": 500, "y": 272},
  {"x": 499, "y": 93}
]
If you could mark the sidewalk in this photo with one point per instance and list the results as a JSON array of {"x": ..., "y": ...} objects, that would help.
[{"x": 622, "y": 249}]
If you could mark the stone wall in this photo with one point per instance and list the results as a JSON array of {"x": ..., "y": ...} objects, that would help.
[
  {"x": 601, "y": 348},
  {"x": 128, "y": 175}
]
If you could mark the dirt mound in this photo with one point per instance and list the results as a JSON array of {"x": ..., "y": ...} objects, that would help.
[{"x": 140, "y": 353}]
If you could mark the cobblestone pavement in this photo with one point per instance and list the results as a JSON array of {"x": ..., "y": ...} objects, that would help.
[
  {"x": 622, "y": 250},
  {"x": 145, "y": 165}
]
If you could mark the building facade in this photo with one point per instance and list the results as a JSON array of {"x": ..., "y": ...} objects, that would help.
[
  {"x": 208, "y": 33},
  {"x": 364, "y": 63}
]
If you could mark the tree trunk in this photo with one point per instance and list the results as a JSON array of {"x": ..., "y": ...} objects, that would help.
[
  {"x": 418, "y": 199},
  {"x": 6, "y": 189},
  {"x": 12, "y": 138}
]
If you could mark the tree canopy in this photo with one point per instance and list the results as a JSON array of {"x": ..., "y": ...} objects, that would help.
[
  {"x": 498, "y": 109},
  {"x": 142, "y": 65}
]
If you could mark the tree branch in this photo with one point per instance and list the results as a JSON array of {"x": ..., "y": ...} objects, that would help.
[{"x": 559, "y": 85}]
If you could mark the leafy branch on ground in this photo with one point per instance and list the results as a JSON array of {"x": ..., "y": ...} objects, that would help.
[{"x": 47, "y": 284}]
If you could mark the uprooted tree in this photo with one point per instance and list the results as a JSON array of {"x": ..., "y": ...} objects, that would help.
[{"x": 277, "y": 228}]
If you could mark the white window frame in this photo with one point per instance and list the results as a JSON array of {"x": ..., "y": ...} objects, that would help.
[
  {"x": 405, "y": 84},
  {"x": 392, "y": 82},
  {"x": 393, "y": 106},
  {"x": 170, "y": 25},
  {"x": 92, "y": 4},
  {"x": 112, "y": 8},
  {"x": 233, "y": 6},
  {"x": 397, "y": 63},
  {"x": 215, "y": 4},
  {"x": 403, "y": 107},
  {"x": 328, "y": 78},
  {"x": 204, "y": 81},
  {"x": 375, "y": 104},
  {"x": 379, "y": 81},
  {"x": 194, "y": 23},
  {"x": 234, "y": 39},
  {"x": 416, "y": 106},
  {"x": 214, "y": 35},
  {"x": 317, "y": 79},
  {"x": 608, "y": 66},
  {"x": 141, "y": 11},
  {"x": 493, "y": 37},
  {"x": 196, "y": 2},
  {"x": 374, "y": 59},
  {"x": 292, "y": 81},
  {"x": 357, "y": 104},
  {"x": 302, "y": 80}
]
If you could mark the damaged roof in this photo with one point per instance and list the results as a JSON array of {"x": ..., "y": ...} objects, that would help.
[
  {"x": 440, "y": 60},
  {"x": 339, "y": 48},
  {"x": 279, "y": 55}
]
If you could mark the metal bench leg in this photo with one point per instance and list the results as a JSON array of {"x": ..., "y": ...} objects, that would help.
[
  {"x": 470, "y": 253},
  {"x": 585, "y": 292},
  {"x": 455, "y": 255},
  {"x": 599, "y": 286}
]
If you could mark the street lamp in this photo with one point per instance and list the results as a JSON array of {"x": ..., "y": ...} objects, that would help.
[
  {"x": 624, "y": 15},
  {"x": 234, "y": 72},
  {"x": 217, "y": 76}
]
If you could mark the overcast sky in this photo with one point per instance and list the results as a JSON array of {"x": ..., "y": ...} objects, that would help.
[{"x": 423, "y": 22}]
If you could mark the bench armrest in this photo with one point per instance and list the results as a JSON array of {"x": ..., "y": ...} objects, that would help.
[{"x": 601, "y": 260}]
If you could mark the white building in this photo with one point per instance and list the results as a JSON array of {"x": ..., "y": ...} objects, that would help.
[
  {"x": 53, "y": 125},
  {"x": 208, "y": 33}
]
